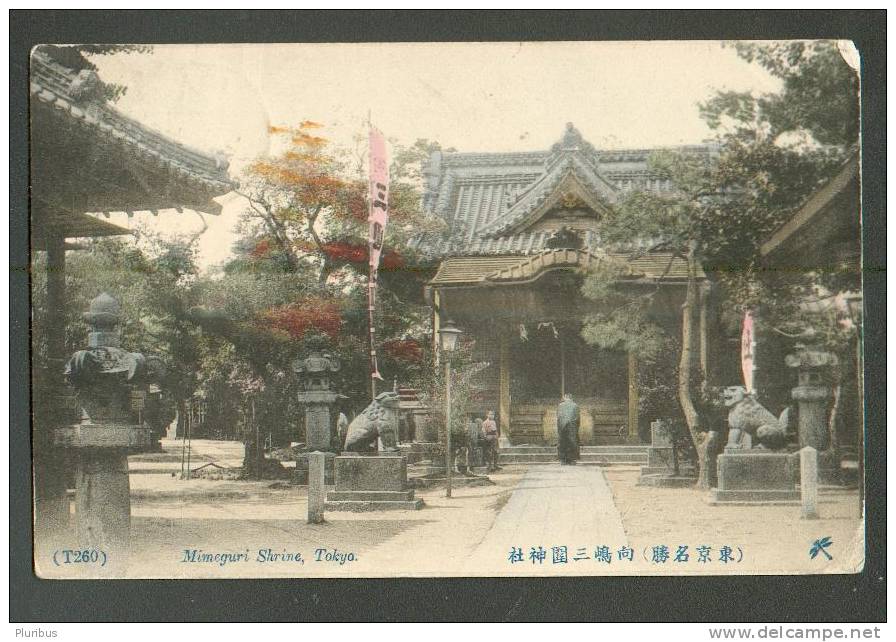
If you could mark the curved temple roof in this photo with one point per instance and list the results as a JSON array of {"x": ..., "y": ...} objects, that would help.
[
  {"x": 88, "y": 157},
  {"x": 501, "y": 203}
]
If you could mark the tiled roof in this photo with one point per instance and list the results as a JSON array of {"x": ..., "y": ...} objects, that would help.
[
  {"x": 490, "y": 201},
  {"x": 199, "y": 177},
  {"x": 483, "y": 270}
]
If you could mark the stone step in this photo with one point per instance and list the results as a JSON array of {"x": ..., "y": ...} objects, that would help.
[
  {"x": 584, "y": 458},
  {"x": 370, "y": 495},
  {"x": 363, "y": 506},
  {"x": 622, "y": 448}
]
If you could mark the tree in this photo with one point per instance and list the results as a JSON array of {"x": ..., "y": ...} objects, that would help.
[
  {"x": 819, "y": 96},
  {"x": 311, "y": 202},
  {"x": 724, "y": 205},
  {"x": 299, "y": 275}
]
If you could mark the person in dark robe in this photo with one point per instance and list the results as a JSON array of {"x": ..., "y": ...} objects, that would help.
[{"x": 568, "y": 430}]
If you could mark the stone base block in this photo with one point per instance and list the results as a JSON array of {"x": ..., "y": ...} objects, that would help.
[
  {"x": 750, "y": 497},
  {"x": 369, "y": 483},
  {"x": 378, "y": 473},
  {"x": 757, "y": 470}
]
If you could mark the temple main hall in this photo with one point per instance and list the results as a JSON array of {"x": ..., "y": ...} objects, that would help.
[{"x": 521, "y": 230}]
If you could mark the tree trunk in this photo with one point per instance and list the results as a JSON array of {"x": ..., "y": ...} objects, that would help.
[
  {"x": 687, "y": 366},
  {"x": 181, "y": 418}
]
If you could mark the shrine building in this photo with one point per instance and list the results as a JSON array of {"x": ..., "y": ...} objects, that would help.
[{"x": 521, "y": 229}]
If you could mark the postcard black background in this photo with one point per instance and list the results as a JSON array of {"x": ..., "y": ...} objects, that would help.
[{"x": 820, "y": 598}]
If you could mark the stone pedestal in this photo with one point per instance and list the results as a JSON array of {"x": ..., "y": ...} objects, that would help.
[
  {"x": 318, "y": 423},
  {"x": 812, "y": 425},
  {"x": 756, "y": 477},
  {"x": 102, "y": 488},
  {"x": 367, "y": 483},
  {"x": 102, "y": 501},
  {"x": 813, "y": 420}
]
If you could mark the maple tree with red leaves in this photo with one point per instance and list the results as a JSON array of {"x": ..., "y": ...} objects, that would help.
[
  {"x": 312, "y": 314},
  {"x": 408, "y": 350},
  {"x": 346, "y": 252},
  {"x": 309, "y": 203}
]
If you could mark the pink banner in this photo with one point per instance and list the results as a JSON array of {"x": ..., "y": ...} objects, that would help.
[
  {"x": 377, "y": 217},
  {"x": 379, "y": 196},
  {"x": 747, "y": 346}
]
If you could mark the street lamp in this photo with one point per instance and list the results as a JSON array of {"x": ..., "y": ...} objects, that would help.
[
  {"x": 448, "y": 335},
  {"x": 854, "y": 302}
]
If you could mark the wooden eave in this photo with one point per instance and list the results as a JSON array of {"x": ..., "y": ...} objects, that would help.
[
  {"x": 819, "y": 210},
  {"x": 475, "y": 271}
]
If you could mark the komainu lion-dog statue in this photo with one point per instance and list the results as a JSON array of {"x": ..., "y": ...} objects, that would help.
[
  {"x": 749, "y": 421},
  {"x": 378, "y": 420}
]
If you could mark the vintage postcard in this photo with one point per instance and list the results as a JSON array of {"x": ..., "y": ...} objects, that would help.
[{"x": 447, "y": 309}]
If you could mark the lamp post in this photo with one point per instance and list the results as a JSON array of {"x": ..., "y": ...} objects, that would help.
[
  {"x": 854, "y": 303},
  {"x": 448, "y": 334}
]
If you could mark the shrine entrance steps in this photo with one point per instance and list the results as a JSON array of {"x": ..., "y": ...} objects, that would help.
[{"x": 627, "y": 455}]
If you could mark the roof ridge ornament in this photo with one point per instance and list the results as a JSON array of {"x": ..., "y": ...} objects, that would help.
[{"x": 572, "y": 141}]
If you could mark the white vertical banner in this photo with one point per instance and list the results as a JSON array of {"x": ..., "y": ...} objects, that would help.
[
  {"x": 747, "y": 350},
  {"x": 378, "y": 216}
]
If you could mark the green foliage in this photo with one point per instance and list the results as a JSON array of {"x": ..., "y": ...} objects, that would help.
[
  {"x": 430, "y": 381},
  {"x": 819, "y": 94},
  {"x": 299, "y": 280},
  {"x": 658, "y": 382},
  {"x": 725, "y": 204},
  {"x": 408, "y": 160}
]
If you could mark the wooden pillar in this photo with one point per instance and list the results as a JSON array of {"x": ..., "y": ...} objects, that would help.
[
  {"x": 504, "y": 382},
  {"x": 51, "y": 505},
  {"x": 632, "y": 397}
]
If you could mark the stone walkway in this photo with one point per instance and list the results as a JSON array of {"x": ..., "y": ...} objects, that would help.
[{"x": 552, "y": 505}]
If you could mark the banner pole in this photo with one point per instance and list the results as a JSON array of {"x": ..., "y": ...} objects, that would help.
[{"x": 378, "y": 215}]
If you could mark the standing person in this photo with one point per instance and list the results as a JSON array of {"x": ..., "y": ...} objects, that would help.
[
  {"x": 490, "y": 445},
  {"x": 568, "y": 430}
]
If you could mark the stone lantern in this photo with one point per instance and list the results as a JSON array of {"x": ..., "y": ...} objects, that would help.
[
  {"x": 318, "y": 398},
  {"x": 814, "y": 368},
  {"x": 109, "y": 383}
]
